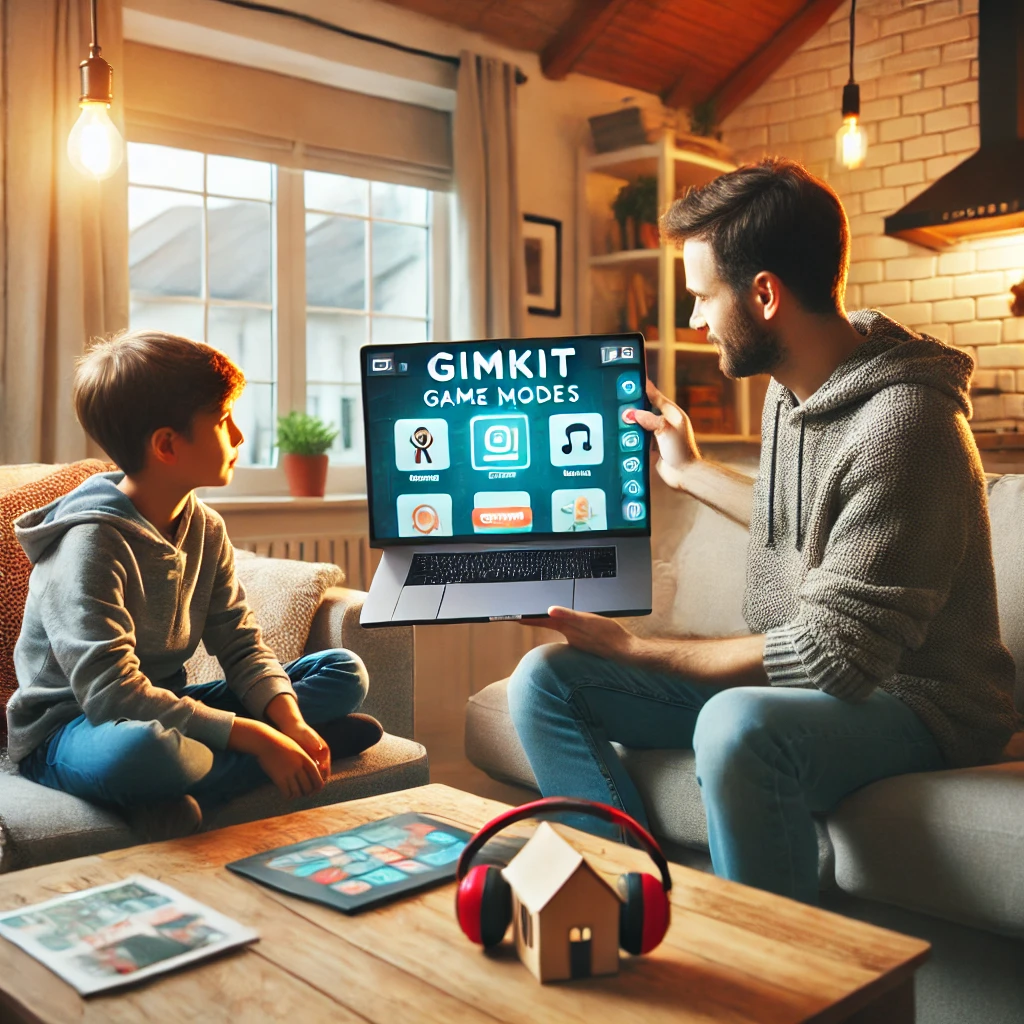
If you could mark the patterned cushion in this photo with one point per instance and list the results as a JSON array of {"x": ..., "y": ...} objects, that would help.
[{"x": 15, "y": 566}]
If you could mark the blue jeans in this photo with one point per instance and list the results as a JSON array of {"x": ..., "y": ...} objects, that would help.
[
  {"x": 129, "y": 762},
  {"x": 768, "y": 758}
]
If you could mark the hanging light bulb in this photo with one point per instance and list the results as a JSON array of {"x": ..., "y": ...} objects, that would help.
[
  {"x": 95, "y": 146},
  {"x": 851, "y": 139}
]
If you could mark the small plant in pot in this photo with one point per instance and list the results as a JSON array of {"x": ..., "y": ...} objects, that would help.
[
  {"x": 303, "y": 441},
  {"x": 636, "y": 210}
]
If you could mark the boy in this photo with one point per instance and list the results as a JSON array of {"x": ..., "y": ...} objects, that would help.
[{"x": 130, "y": 572}]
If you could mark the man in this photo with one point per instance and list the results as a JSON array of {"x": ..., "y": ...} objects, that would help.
[{"x": 870, "y": 595}]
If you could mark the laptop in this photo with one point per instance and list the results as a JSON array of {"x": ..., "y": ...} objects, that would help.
[{"x": 506, "y": 476}]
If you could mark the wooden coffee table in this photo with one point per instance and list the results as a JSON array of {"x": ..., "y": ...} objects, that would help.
[{"x": 732, "y": 954}]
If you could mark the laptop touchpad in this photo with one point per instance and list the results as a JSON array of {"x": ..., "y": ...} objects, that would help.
[{"x": 485, "y": 600}]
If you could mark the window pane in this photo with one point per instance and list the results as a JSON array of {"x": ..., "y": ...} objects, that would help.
[
  {"x": 335, "y": 261},
  {"x": 399, "y": 202},
  {"x": 246, "y": 179},
  {"x": 165, "y": 245},
  {"x": 332, "y": 346},
  {"x": 184, "y": 318},
  {"x": 336, "y": 193},
  {"x": 385, "y": 330},
  {"x": 254, "y": 414},
  {"x": 341, "y": 406},
  {"x": 239, "y": 250},
  {"x": 399, "y": 269},
  {"x": 161, "y": 165},
  {"x": 246, "y": 337}
]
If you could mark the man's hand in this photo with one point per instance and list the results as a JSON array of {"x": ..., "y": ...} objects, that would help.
[
  {"x": 674, "y": 434},
  {"x": 591, "y": 633},
  {"x": 283, "y": 711},
  {"x": 287, "y": 765}
]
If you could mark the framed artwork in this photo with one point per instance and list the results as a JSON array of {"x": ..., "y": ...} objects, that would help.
[{"x": 542, "y": 257}]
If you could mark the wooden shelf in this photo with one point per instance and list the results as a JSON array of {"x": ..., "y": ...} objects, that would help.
[
  {"x": 634, "y": 161},
  {"x": 625, "y": 257},
  {"x": 695, "y": 346}
]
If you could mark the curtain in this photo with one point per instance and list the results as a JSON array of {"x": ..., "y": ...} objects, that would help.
[
  {"x": 64, "y": 249},
  {"x": 486, "y": 268}
]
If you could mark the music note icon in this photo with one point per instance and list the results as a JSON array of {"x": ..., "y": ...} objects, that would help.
[{"x": 576, "y": 439}]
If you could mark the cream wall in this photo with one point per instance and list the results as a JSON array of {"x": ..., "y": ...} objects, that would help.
[
  {"x": 917, "y": 66},
  {"x": 552, "y": 115}
]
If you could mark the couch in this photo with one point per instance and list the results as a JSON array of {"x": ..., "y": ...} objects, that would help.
[
  {"x": 40, "y": 825},
  {"x": 948, "y": 844}
]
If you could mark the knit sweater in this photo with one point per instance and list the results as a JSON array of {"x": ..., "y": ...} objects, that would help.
[{"x": 870, "y": 557}]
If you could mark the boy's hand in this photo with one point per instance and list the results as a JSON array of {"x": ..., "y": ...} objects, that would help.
[
  {"x": 288, "y": 766},
  {"x": 283, "y": 711}
]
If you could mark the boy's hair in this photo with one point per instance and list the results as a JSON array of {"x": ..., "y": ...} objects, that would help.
[
  {"x": 129, "y": 386},
  {"x": 774, "y": 216}
]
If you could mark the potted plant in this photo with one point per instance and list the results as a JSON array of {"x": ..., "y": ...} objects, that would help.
[
  {"x": 303, "y": 441},
  {"x": 636, "y": 209}
]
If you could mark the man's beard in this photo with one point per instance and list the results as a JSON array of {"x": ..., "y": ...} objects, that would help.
[{"x": 747, "y": 348}]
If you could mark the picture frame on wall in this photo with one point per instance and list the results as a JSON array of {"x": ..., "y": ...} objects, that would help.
[{"x": 542, "y": 258}]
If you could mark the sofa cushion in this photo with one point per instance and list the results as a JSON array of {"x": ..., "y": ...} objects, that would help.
[
  {"x": 40, "y": 825},
  {"x": 1006, "y": 511},
  {"x": 32, "y": 491},
  {"x": 284, "y": 595},
  {"x": 946, "y": 843}
]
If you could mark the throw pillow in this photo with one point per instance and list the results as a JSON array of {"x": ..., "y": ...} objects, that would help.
[
  {"x": 15, "y": 566},
  {"x": 284, "y": 595}
]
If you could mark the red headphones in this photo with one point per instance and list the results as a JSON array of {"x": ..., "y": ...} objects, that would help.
[{"x": 483, "y": 899}]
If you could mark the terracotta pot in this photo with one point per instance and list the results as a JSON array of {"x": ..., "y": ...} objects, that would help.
[
  {"x": 307, "y": 475},
  {"x": 649, "y": 238}
]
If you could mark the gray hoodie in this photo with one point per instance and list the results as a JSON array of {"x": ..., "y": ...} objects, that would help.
[
  {"x": 115, "y": 610},
  {"x": 870, "y": 558}
]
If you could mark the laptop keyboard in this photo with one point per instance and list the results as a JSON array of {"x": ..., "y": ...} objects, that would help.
[{"x": 515, "y": 566}]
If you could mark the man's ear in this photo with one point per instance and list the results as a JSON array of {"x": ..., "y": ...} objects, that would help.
[
  {"x": 767, "y": 290},
  {"x": 163, "y": 446}
]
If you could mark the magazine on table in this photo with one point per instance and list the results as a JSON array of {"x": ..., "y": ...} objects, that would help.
[{"x": 117, "y": 934}]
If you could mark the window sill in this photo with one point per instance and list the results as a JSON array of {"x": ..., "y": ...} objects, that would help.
[{"x": 283, "y": 502}]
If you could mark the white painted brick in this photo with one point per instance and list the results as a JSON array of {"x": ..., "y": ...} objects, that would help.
[
  {"x": 913, "y": 191},
  {"x": 961, "y": 92},
  {"x": 817, "y": 81},
  {"x": 886, "y": 199},
  {"x": 969, "y": 6},
  {"x": 876, "y": 246},
  {"x": 959, "y": 71},
  {"x": 748, "y": 138},
  {"x": 940, "y": 331},
  {"x": 1001, "y": 355},
  {"x": 992, "y": 307},
  {"x": 937, "y": 35},
  {"x": 931, "y": 288},
  {"x": 910, "y": 268},
  {"x": 947, "y": 119},
  {"x": 750, "y": 115},
  {"x": 1006, "y": 380},
  {"x": 783, "y": 111},
  {"x": 966, "y": 50},
  {"x": 921, "y": 101},
  {"x": 917, "y": 60},
  {"x": 879, "y": 110},
  {"x": 985, "y": 380},
  {"x": 900, "y": 128},
  {"x": 921, "y": 148},
  {"x": 905, "y": 21},
  {"x": 1013, "y": 329},
  {"x": 866, "y": 272},
  {"x": 886, "y": 47},
  {"x": 911, "y": 173},
  {"x": 1013, "y": 406},
  {"x": 864, "y": 179},
  {"x": 978, "y": 332},
  {"x": 777, "y": 134},
  {"x": 883, "y": 154},
  {"x": 1003, "y": 257},
  {"x": 940, "y": 165},
  {"x": 987, "y": 407},
  {"x": 964, "y": 140},
  {"x": 820, "y": 151},
  {"x": 912, "y": 314},
  {"x": 854, "y": 205},
  {"x": 954, "y": 310},
  {"x": 883, "y": 293},
  {"x": 854, "y": 296},
  {"x": 899, "y": 85},
  {"x": 813, "y": 128},
  {"x": 941, "y": 10},
  {"x": 815, "y": 60},
  {"x": 827, "y": 101},
  {"x": 978, "y": 284},
  {"x": 1020, "y": 380},
  {"x": 776, "y": 89},
  {"x": 957, "y": 262}
]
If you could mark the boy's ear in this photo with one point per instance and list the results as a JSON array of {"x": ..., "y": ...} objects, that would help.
[{"x": 163, "y": 446}]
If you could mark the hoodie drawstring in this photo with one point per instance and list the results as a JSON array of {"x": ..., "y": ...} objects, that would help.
[
  {"x": 800, "y": 487},
  {"x": 771, "y": 479}
]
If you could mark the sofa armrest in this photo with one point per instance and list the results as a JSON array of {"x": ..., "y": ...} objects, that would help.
[{"x": 387, "y": 654}]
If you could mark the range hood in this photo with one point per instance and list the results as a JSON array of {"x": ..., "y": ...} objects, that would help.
[{"x": 985, "y": 194}]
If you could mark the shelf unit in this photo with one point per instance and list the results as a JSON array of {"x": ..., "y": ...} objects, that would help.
[{"x": 682, "y": 364}]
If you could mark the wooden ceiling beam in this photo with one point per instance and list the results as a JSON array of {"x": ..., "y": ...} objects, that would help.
[
  {"x": 749, "y": 76},
  {"x": 587, "y": 22}
]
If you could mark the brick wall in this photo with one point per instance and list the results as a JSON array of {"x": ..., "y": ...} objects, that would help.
[{"x": 917, "y": 65}]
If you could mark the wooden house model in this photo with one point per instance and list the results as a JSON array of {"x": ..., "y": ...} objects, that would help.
[{"x": 565, "y": 916}]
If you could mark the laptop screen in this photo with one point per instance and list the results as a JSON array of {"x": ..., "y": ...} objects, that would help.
[{"x": 524, "y": 439}]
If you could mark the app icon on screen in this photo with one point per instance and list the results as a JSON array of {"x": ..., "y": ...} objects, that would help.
[
  {"x": 382, "y": 363},
  {"x": 424, "y": 515},
  {"x": 576, "y": 439},
  {"x": 624, "y": 353},
  {"x": 578, "y": 509},
  {"x": 500, "y": 442},
  {"x": 633, "y": 511},
  {"x": 633, "y": 488},
  {"x": 631, "y": 464},
  {"x": 421, "y": 445},
  {"x": 628, "y": 387},
  {"x": 502, "y": 512},
  {"x": 630, "y": 440},
  {"x": 627, "y": 416}
]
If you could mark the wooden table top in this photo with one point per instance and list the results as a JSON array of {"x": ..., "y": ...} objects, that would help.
[{"x": 732, "y": 954}]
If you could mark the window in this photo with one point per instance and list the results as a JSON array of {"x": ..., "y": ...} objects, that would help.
[{"x": 211, "y": 256}]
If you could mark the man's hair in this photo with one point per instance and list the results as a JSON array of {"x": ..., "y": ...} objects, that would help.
[
  {"x": 131, "y": 385},
  {"x": 774, "y": 216}
]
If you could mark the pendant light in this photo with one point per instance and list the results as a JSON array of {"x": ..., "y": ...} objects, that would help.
[
  {"x": 851, "y": 139},
  {"x": 95, "y": 146}
]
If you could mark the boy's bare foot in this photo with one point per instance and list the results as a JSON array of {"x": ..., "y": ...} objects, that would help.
[
  {"x": 350, "y": 735},
  {"x": 169, "y": 819}
]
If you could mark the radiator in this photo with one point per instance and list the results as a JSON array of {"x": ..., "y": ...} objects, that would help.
[{"x": 351, "y": 552}]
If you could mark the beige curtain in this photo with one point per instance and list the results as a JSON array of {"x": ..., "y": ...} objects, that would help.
[
  {"x": 64, "y": 248},
  {"x": 487, "y": 259}
]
